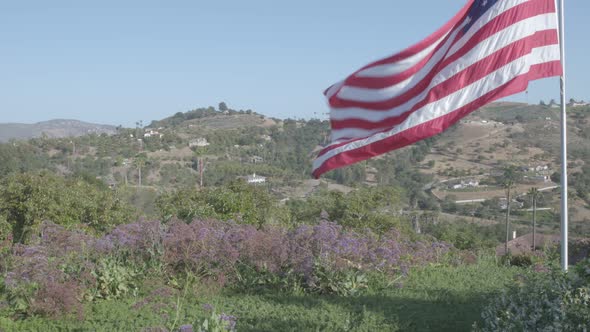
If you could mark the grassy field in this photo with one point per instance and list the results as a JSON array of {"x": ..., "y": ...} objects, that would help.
[{"x": 433, "y": 298}]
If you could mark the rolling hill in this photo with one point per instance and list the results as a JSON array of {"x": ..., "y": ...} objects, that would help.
[{"x": 57, "y": 128}]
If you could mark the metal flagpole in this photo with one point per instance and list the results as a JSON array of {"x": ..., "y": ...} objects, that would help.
[{"x": 564, "y": 206}]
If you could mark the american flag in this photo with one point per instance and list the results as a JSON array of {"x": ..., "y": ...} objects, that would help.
[{"x": 490, "y": 49}]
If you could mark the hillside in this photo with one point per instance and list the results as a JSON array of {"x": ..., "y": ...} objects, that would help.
[
  {"x": 464, "y": 164},
  {"x": 228, "y": 215},
  {"x": 57, "y": 128}
]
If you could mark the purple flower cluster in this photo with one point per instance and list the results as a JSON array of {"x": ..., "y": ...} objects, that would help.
[
  {"x": 59, "y": 241},
  {"x": 218, "y": 246},
  {"x": 62, "y": 258},
  {"x": 229, "y": 320},
  {"x": 142, "y": 239},
  {"x": 35, "y": 277}
]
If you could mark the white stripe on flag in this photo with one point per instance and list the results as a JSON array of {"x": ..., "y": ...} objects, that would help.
[
  {"x": 449, "y": 103},
  {"x": 513, "y": 33},
  {"x": 400, "y": 66}
]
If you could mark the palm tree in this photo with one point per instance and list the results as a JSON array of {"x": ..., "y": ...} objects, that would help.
[
  {"x": 508, "y": 180},
  {"x": 508, "y": 185},
  {"x": 140, "y": 162},
  {"x": 534, "y": 193}
]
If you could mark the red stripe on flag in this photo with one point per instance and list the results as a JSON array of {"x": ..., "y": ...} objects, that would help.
[
  {"x": 437, "y": 125},
  {"x": 464, "y": 78},
  {"x": 510, "y": 17},
  {"x": 383, "y": 82},
  {"x": 425, "y": 43}
]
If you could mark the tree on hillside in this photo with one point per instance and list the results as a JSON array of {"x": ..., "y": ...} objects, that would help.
[
  {"x": 222, "y": 107},
  {"x": 138, "y": 128},
  {"x": 555, "y": 177},
  {"x": 508, "y": 181},
  {"x": 534, "y": 193},
  {"x": 28, "y": 199},
  {"x": 507, "y": 187},
  {"x": 198, "y": 163},
  {"x": 140, "y": 162}
]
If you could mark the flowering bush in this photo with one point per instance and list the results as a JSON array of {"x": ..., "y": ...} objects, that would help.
[
  {"x": 61, "y": 268},
  {"x": 218, "y": 245},
  {"x": 36, "y": 285},
  {"x": 274, "y": 255}
]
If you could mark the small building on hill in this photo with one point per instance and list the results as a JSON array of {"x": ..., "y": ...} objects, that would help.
[
  {"x": 514, "y": 204},
  {"x": 470, "y": 183},
  {"x": 149, "y": 132},
  {"x": 198, "y": 142},
  {"x": 255, "y": 179},
  {"x": 256, "y": 159},
  {"x": 578, "y": 103}
]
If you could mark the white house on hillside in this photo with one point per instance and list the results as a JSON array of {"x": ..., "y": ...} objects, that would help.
[
  {"x": 199, "y": 142},
  {"x": 471, "y": 183},
  {"x": 255, "y": 179},
  {"x": 152, "y": 133}
]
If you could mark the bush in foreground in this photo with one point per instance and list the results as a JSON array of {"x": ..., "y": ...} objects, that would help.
[
  {"x": 552, "y": 301},
  {"x": 59, "y": 270}
]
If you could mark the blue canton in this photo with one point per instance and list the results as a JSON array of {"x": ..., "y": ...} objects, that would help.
[{"x": 477, "y": 10}]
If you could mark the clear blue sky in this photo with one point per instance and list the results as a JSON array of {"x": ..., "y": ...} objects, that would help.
[{"x": 119, "y": 61}]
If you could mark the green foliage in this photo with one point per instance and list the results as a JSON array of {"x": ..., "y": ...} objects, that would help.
[
  {"x": 19, "y": 299},
  {"x": 349, "y": 175},
  {"x": 20, "y": 157},
  {"x": 222, "y": 172},
  {"x": 464, "y": 235},
  {"x": 27, "y": 199},
  {"x": 441, "y": 298},
  {"x": 142, "y": 199},
  {"x": 511, "y": 176},
  {"x": 256, "y": 280},
  {"x": 521, "y": 260},
  {"x": 543, "y": 302},
  {"x": 581, "y": 183},
  {"x": 237, "y": 200},
  {"x": 180, "y": 117},
  {"x": 114, "y": 280},
  {"x": 5, "y": 230},
  {"x": 176, "y": 175},
  {"x": 371, "y": 208},
  {"x": 215, "y": 323},
  {"x": 348, "y": 282},
  {"x": 325, "y": 280}
]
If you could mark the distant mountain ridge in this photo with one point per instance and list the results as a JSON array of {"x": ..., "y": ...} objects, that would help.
[{"x": 56, "y": 128}]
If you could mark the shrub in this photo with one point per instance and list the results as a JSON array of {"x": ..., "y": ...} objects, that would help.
[
  {"x": 520, "y": 260},
  {"x": 36, "y": 285},
  {"x": 342, "y": 282},
  {"x": 113, "y": 280},
  {"x": 60, "y": 268},
  {"x": 543, "y": 302},
  {"x": 216, "y": 322},
  {"x": 28, "y": 199},
  {"x": 277, "y": 258},
  {"x": 237, "y": 201}
]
